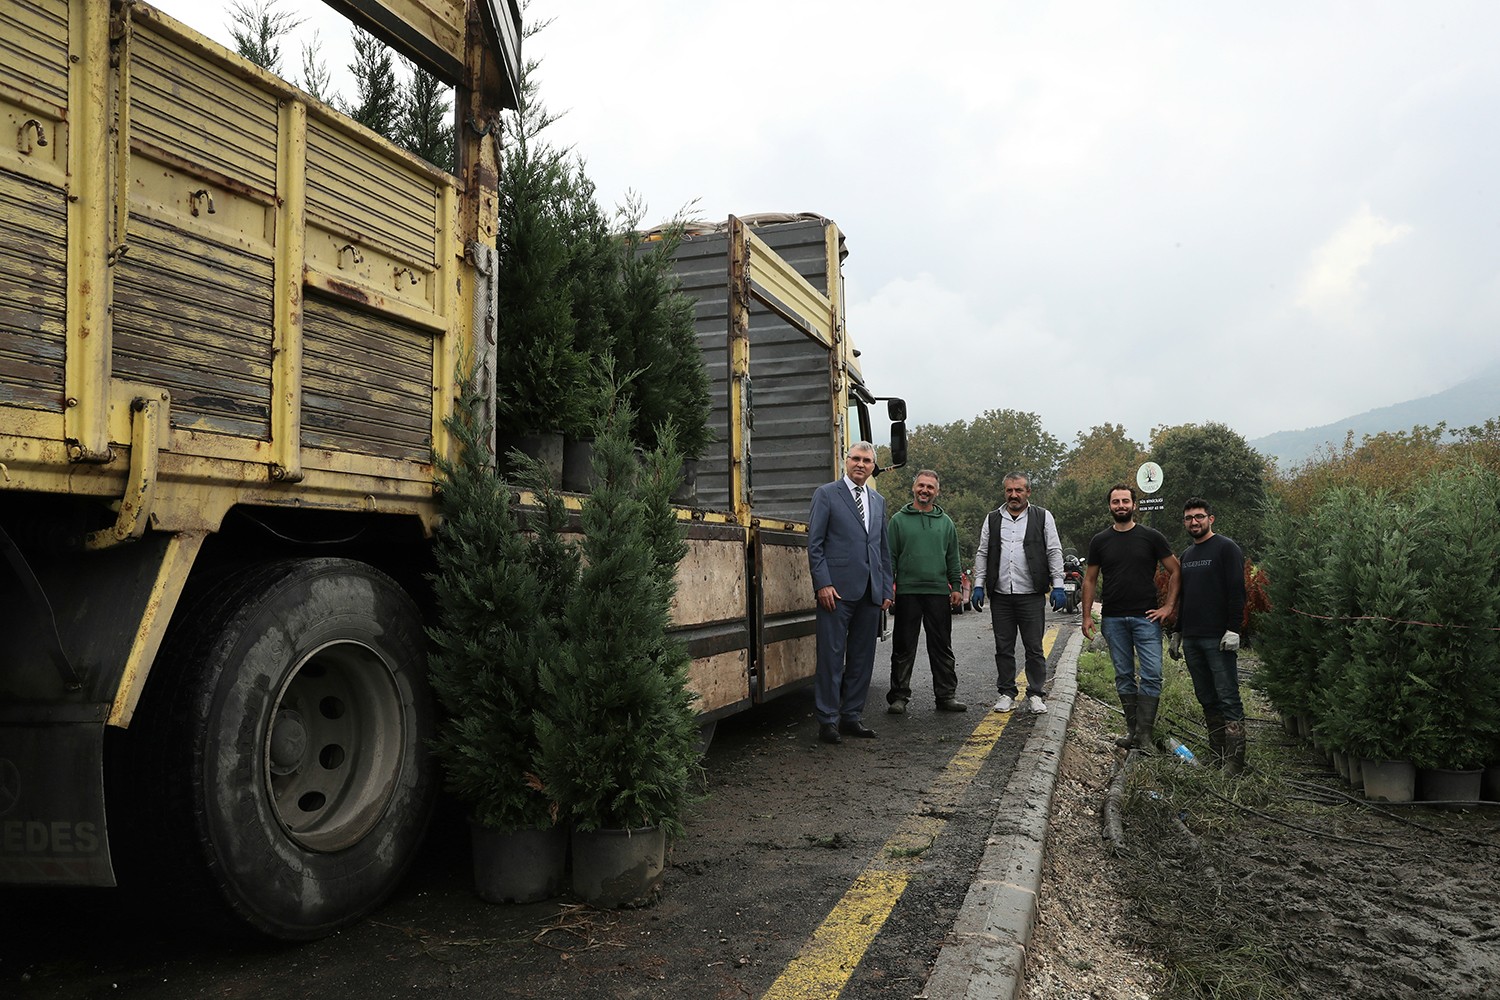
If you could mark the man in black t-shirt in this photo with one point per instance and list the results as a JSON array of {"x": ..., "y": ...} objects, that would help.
[
  {"x": 1210, "y": 611},
  {"x": 1131, "y": 619}
]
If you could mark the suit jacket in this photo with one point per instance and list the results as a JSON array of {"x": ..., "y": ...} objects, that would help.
[{"x": 841, "y": 553}]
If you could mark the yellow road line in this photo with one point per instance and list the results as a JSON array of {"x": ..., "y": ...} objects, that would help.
[{"x": 821, "y": 970}]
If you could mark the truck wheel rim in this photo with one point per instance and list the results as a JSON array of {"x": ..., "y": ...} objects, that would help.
[{"x": 333, "y": 748}]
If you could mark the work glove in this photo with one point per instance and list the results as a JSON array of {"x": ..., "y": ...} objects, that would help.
[
  {"x": 1059, "y": 598},
  {"x": 1230, "y": 643},
  {"x": 977, "y": 600},
  {"x": 1174, "y": 647}
]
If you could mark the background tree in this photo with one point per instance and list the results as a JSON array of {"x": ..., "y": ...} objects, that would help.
[
  {"x": 1101, "y": 457},
  {"x": 1215, "y": 463},
  {"x": 424, "y": 123},
  {"x": 592, "y": 278},
  {"x": 258, "y": 28},
  {"x": 971, "y": 459},
  {"x": 377, "y": 102},
  {"x": 1380, "y": 460}
]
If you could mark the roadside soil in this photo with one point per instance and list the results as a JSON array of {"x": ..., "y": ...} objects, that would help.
[
  {"x": 784, "y": 826},
  {"x": 1288, "y": 873},
  {"x": 1320, "y": 895}
]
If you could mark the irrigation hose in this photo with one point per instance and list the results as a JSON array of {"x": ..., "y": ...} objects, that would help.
[{"x": 1382, "y": 809}]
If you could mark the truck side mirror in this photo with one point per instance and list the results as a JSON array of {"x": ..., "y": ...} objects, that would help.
[
  {"x": 898, "y": 443},
  {"x": 895, "y": 409}
]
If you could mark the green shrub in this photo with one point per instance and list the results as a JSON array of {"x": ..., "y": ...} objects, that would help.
[
  {"x": 497, "y": 591},
  {"x": 619, "y": 739},
  {"x": 1383, "y": 618}
]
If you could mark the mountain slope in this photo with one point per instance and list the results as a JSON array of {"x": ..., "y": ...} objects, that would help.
[{"x": 1468, "y": 403}]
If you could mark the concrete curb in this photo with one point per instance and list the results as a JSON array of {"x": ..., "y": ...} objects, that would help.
[{"x": 985, "y": 956}]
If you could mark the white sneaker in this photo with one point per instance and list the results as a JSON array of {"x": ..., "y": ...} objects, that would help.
[
  {"x": 1036, "y": 704},
  {"x": 1005, "y": 704}
]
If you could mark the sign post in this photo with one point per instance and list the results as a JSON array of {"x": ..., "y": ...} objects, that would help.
[{"x": 1149, "y": 478}]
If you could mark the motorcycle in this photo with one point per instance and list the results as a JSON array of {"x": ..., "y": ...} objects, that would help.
[{"x": 1072, "y": 583}]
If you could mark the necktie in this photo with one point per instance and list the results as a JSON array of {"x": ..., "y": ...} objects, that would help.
[{"x": 859, "y": 504}]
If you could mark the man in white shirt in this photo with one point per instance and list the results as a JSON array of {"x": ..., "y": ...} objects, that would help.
[{"x": 1018, "y": 561}]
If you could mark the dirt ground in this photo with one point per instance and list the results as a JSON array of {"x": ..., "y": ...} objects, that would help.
[
  {"x": 1326, "y": 898},
  {"x": 1324, "y": 895},
  {"x": 784, "y": 826}
]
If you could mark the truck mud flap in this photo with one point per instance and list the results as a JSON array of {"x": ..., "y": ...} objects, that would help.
[{"x": 52, "y": 828}]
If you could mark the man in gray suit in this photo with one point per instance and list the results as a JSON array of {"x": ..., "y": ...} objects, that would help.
[{"x": 850, "y": 560}]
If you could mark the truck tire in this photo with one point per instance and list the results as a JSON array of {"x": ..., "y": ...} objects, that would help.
[{"x": 284, "y": 766}]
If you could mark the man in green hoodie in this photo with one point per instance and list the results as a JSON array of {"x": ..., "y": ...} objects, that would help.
[{"x": 929, "y": 585}]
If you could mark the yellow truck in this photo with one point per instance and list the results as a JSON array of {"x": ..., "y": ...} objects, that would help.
[{"x": 230, "y": 325}]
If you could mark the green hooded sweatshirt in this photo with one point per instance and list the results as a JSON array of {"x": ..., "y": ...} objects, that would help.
[{"x": 924, "y": 551}]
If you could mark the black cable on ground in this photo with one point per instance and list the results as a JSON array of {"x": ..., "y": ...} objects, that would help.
[
  {"x": 1295, "y": 826},
  {"x": 1383, "y": 809}
]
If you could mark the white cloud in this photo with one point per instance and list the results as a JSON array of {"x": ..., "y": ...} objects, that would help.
[
  {"x": 1194, "y": 211},
  {"x": 1333, "y": 286}
]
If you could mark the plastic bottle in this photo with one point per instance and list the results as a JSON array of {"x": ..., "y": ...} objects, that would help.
[{"x": 1175, "y": 745}]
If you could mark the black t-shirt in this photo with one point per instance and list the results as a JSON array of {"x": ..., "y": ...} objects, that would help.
[
  {"x": 1213, "y": 588},
  {"x": 1128, "y": 561}
]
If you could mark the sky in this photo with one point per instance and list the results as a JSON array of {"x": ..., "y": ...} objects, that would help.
[{"x": 1139, "y": 212}]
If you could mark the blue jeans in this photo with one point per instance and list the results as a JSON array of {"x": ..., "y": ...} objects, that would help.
[
  {"x": 1130, "y": 639},
  {"x": 1216, "y": 679}
]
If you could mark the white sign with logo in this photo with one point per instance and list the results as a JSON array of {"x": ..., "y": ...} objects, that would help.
[{"x": 1148, "y": 477}]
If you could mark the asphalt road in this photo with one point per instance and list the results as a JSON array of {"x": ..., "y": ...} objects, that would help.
[{"x": 801, "y": 862}]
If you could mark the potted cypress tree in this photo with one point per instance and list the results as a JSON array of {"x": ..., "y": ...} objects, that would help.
[
  {"x": 1455, "y": 670},
  {"x": 619, "y": 741},
  {"x": 540, "y": 363},
  {"x": 499, "y": 592}
]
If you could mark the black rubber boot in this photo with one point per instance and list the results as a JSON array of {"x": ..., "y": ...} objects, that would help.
[
  {"x": 1127, "y": 702},
  {"x": 1234, "y": 747},
  {"x": 1216, "y": 744},
  {"x": 1145, "y": 723}
]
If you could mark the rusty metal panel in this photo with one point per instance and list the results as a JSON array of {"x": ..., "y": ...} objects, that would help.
[
  {"x": 372, "y": 196},
  {"x": 367, "y": 383},
  {"x": 196, "y": 113},
  {"x": 792, "y": 441},
  {"x": 193, "y": 315},
  {"x": 33, "y": 294}
]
